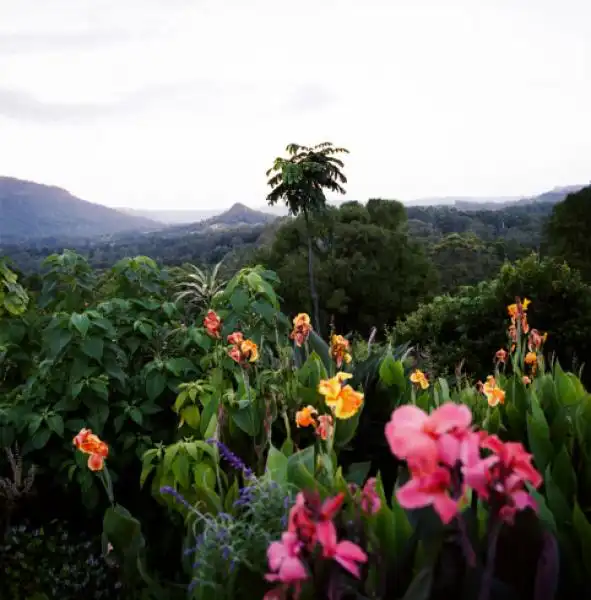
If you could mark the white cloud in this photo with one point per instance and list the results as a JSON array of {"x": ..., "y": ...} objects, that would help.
[{"x": 185, "y": 103}]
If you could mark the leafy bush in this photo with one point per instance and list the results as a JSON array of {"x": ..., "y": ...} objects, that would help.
[
  {"x": 465, "y": 330},
  {"x": 54, "y": 562}
]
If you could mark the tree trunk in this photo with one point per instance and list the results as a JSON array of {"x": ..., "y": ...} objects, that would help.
[{"x": 313, "y": 292}]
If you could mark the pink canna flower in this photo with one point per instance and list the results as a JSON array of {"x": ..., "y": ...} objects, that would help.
[
  {"x": 284, "y": 560},
  {"x": 513, "y": 457},
  {"x": 430, "y": 490},
  {"x": 500, "y": 478},
  {"x": 349, "y": 556},
  {"x": 370, "y": 501},
  {"x": 413, "y": 435}
]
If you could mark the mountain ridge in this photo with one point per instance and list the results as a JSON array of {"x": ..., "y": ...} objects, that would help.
[{"x": 30, "y": 210}]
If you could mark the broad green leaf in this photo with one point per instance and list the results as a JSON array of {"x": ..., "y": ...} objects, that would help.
[
  {"x": 564, "y": 475},
  {"x": 81, "y": 322},
  {"x": 391, "y": 371},
  {"x": 582, "y": 528},
  {"x": 265, "y": 310},
  {"x": 444, "y": 387},
  {"x": 147, "y": 468},
  {"x": 58, "y": 339},
  {"x": 556, "y": 501},
  {"x": 93, "y": 347},
  {"x": 180, "y": 365},
  {"x": 247, "y": 420},
  {"x": 277, "y": 465},
  {"x": 565, "y": 389},
  {"x": 239, "y": 300},
  {"x": 287, "y": 447},
  {"x": 136, "y": 415},
  {"x": 180, "y": 469},
  {"x": 345, "y": 429},
  {"x": 155, "y": 384},
  {"x": 204, "y": 476},
  {"x": 40, "y": 439},
  {"x": 538, "y": 434},
  {"x": 357, "y": 472},
  {"x": 191, "y": 416},
  {"x": 56, "y": 424},
  {"x": 544, "y": 513},
  {"x": 304, "y": 459},
  {"x": 420, "y": 588}
]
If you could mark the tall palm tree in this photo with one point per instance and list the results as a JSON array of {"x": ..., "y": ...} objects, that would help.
[{"x": 300, "y": 181}]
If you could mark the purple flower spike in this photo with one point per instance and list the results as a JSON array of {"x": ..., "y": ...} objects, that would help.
[{"x": 235, "y": 461}]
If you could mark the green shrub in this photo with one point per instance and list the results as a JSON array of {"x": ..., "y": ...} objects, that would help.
[
  {"x": 54, "y": 562},
  {"x": 467, "y": 328}
]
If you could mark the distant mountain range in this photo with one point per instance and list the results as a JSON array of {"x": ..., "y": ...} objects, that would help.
[
  {"x": 558, "y": 194},
  {"x": 30, "y": 210},
  {"x": 467, "y": 203}
]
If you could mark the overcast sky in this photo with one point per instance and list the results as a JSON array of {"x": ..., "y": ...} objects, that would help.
[{"x": 185, "y": 103}]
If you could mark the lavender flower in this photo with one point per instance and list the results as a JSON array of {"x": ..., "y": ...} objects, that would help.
[
  {"x": 176, "y": 495},
  {"x": 235, "y": 461}
]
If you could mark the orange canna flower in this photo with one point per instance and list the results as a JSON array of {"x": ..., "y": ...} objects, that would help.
[
  {"x": 501, "y": 355},
  {"x": 249, "y": 350},
  {"x": 348, "y": 403},
  {"x": 301, "y": 329},
  {"x": 89, "y": 443},
  {"x": 331, "y": 388},
  {"x": 339, "y": 350},
  {"x": 494, "y": 394},
  {"x": 212, "y": 324},
  {"x": 531, "y": 358},
  {"x": 419, "y": 378},
  {"x": 342, "y": 399},
  {"x": 305, "y": 417},
  {"x": 325, "y": 427}
]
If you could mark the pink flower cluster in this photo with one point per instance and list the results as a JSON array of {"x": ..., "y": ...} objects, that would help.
[
  {"x": 443, "y": 454},
  {"x": 310, "y": 526}
]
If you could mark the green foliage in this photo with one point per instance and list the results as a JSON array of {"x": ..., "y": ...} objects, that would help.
[
  {"x": 367, "y": 275},
  {"x": 465, "y": 330},
  {"x": 567, "y": 231},
  {"x": 54, "y": 562},
  {"x": 13, "y": 298}
]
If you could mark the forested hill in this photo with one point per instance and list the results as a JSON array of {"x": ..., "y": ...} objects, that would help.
[{"x": 31, "y": 210}]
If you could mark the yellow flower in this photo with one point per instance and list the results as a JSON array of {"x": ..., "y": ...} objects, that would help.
[
  {"x": 494, "y": 394},
  {"x": 420, "y": 379},
  {"x": 305, "y": 417},
  {"x": 526, "y": 302},
  {"x": 343, "y": 400},
  {"x": 249, "y": 350},
  {"x": 347, "y": 403}
]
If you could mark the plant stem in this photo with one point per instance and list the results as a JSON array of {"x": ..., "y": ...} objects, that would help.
[
  {"x": 493, "y": 537},
  {"x": 313, "y": 292},
  {"x": 465, "y": 540},
  {"x": 286, "y": 421}
]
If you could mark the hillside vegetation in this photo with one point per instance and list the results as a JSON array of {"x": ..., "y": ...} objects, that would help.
[{"x": 30, "y": 211}]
